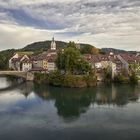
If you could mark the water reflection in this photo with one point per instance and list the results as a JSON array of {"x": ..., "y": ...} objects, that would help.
[
  {"x": 34, "y": 111},
  {"x": 10, "y": 83},
  {"x": 73, "y": 102}
]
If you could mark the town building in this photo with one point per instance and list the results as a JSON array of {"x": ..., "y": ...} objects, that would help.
[
  {"x": 44, "y": 61},
  {"x": 101, "y": 62},
  {"x": 20, "y": 62},
  {"x": 128, "y": 59},
  {"x": 26, "y": 65}
]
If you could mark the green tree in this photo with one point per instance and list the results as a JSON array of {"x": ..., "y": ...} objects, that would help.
[
  {"x": 134, "y": 68},
  {"x": 88, "y": 49},
  {"x": 107, "y": 74},
  {"x": 134, "y": 72},
  {"x": 4, "y": 58},
  {"x": 70, "y": 60},
  {"x": 71, "y": 44}
]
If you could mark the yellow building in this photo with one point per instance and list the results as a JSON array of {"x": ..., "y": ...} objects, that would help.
[{"x": 45, "y": 64}]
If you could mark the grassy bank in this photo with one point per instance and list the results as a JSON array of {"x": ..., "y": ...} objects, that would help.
[{"x": 67, "y": 80}]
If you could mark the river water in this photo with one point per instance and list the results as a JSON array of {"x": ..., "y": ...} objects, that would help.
[{"x": 38, "y": 112}]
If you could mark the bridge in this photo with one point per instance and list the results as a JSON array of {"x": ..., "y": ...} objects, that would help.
[{"x": 28, "y": 76}]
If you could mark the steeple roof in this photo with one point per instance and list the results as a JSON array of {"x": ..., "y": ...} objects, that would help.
[{"x": 53, "y": 44}]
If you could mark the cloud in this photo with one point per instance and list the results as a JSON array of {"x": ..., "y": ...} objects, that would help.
[{"x": 103, "y": 23}]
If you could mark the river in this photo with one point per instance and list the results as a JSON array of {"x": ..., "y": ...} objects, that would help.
[{"x": 38, "y": 112}]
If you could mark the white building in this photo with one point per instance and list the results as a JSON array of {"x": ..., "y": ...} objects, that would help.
[
  {"x": 15, "y": 62},
  {"x": 20, "y": 62},
  {"x": 51, "y": 65},
  {"x": 11, "y": 61},
  {"x": 26, "y": 65},
  {"x": 53, "y": 44},
  {"x": 124, "y": 62}
]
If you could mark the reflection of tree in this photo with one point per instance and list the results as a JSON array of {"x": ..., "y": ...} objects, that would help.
[
  {"x": 103, "y": 95},
  {"x": 72, "y": 102},
  {"x": 69, "y": 102},
  {"x": 42, "y": 91},
  {"x": 125, "y": 94}
]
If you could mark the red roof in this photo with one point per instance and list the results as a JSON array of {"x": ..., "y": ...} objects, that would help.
[{"x": 38, "y": 69}]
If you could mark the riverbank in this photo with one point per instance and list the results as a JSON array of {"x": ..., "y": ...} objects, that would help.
[
  {"x": 66, "y": 80},
  {"x": 79, "y": 81}
]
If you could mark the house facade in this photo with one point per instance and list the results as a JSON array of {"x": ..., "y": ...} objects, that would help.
[
  {"x": 26, "y": 65},
  {"x": 20, "y": 62}
]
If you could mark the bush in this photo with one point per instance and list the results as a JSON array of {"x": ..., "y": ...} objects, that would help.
[
  {"x": 90, "y": 80},
  {"x": 67, "y": 80},
  {"x": 56, "y": 78},
  {"x": 133, "y": 79},
  {"x": 119, "y": 78},
  {"x": 41, "y": 77}
]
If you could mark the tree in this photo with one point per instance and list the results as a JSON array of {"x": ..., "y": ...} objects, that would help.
[
  {"x": 70, "y": 60},
  {"x": 4, "y": 58},
  {"x": 134, "y": 72},
  {"x": 134, "y": 68},
  {"x": 88, "y": 49},
  {"x": 71, "y": 44},
  {"x": 107, "y": 74}
]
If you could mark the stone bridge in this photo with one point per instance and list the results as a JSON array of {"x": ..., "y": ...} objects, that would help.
[{"x": 28, "y": 76}]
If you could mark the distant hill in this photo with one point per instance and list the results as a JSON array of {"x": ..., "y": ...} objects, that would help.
[
  {"x": 45, "y": 45},
  {"x": 117, "y": 51}
]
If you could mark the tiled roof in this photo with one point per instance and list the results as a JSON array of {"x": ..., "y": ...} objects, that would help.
[
  {"x": 44, "y": 56},
  {"x": 16, "y": 59},
  {"x": 26, "y": 61},
  {"x": 130, "y": 58},
  {"x": 38, "y": 69}
]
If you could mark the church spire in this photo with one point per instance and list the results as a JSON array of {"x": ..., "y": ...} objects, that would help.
[
  {"x": 53, "y": 44},
  {"x": 53, "y": 39}
]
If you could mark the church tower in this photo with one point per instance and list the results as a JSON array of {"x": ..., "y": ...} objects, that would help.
[{"x": 53, "y": 44}]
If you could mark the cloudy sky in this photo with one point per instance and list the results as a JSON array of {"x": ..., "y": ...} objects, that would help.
[{"x": 103, "y": 23}]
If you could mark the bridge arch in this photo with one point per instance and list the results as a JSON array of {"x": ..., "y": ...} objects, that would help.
[{"x": 28, "y": 76}]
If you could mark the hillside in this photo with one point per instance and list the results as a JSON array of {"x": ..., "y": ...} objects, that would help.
[
  {"x": 45, "y": 45},
  {"x": 42, "y": 45},
  {"x": 117, "y": 51}
]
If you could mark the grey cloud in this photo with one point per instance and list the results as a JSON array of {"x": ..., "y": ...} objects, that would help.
[{"x": 84, "y": 19}]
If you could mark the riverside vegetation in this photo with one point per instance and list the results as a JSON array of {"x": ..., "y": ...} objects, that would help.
[{"x": 67, "y": 80}]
